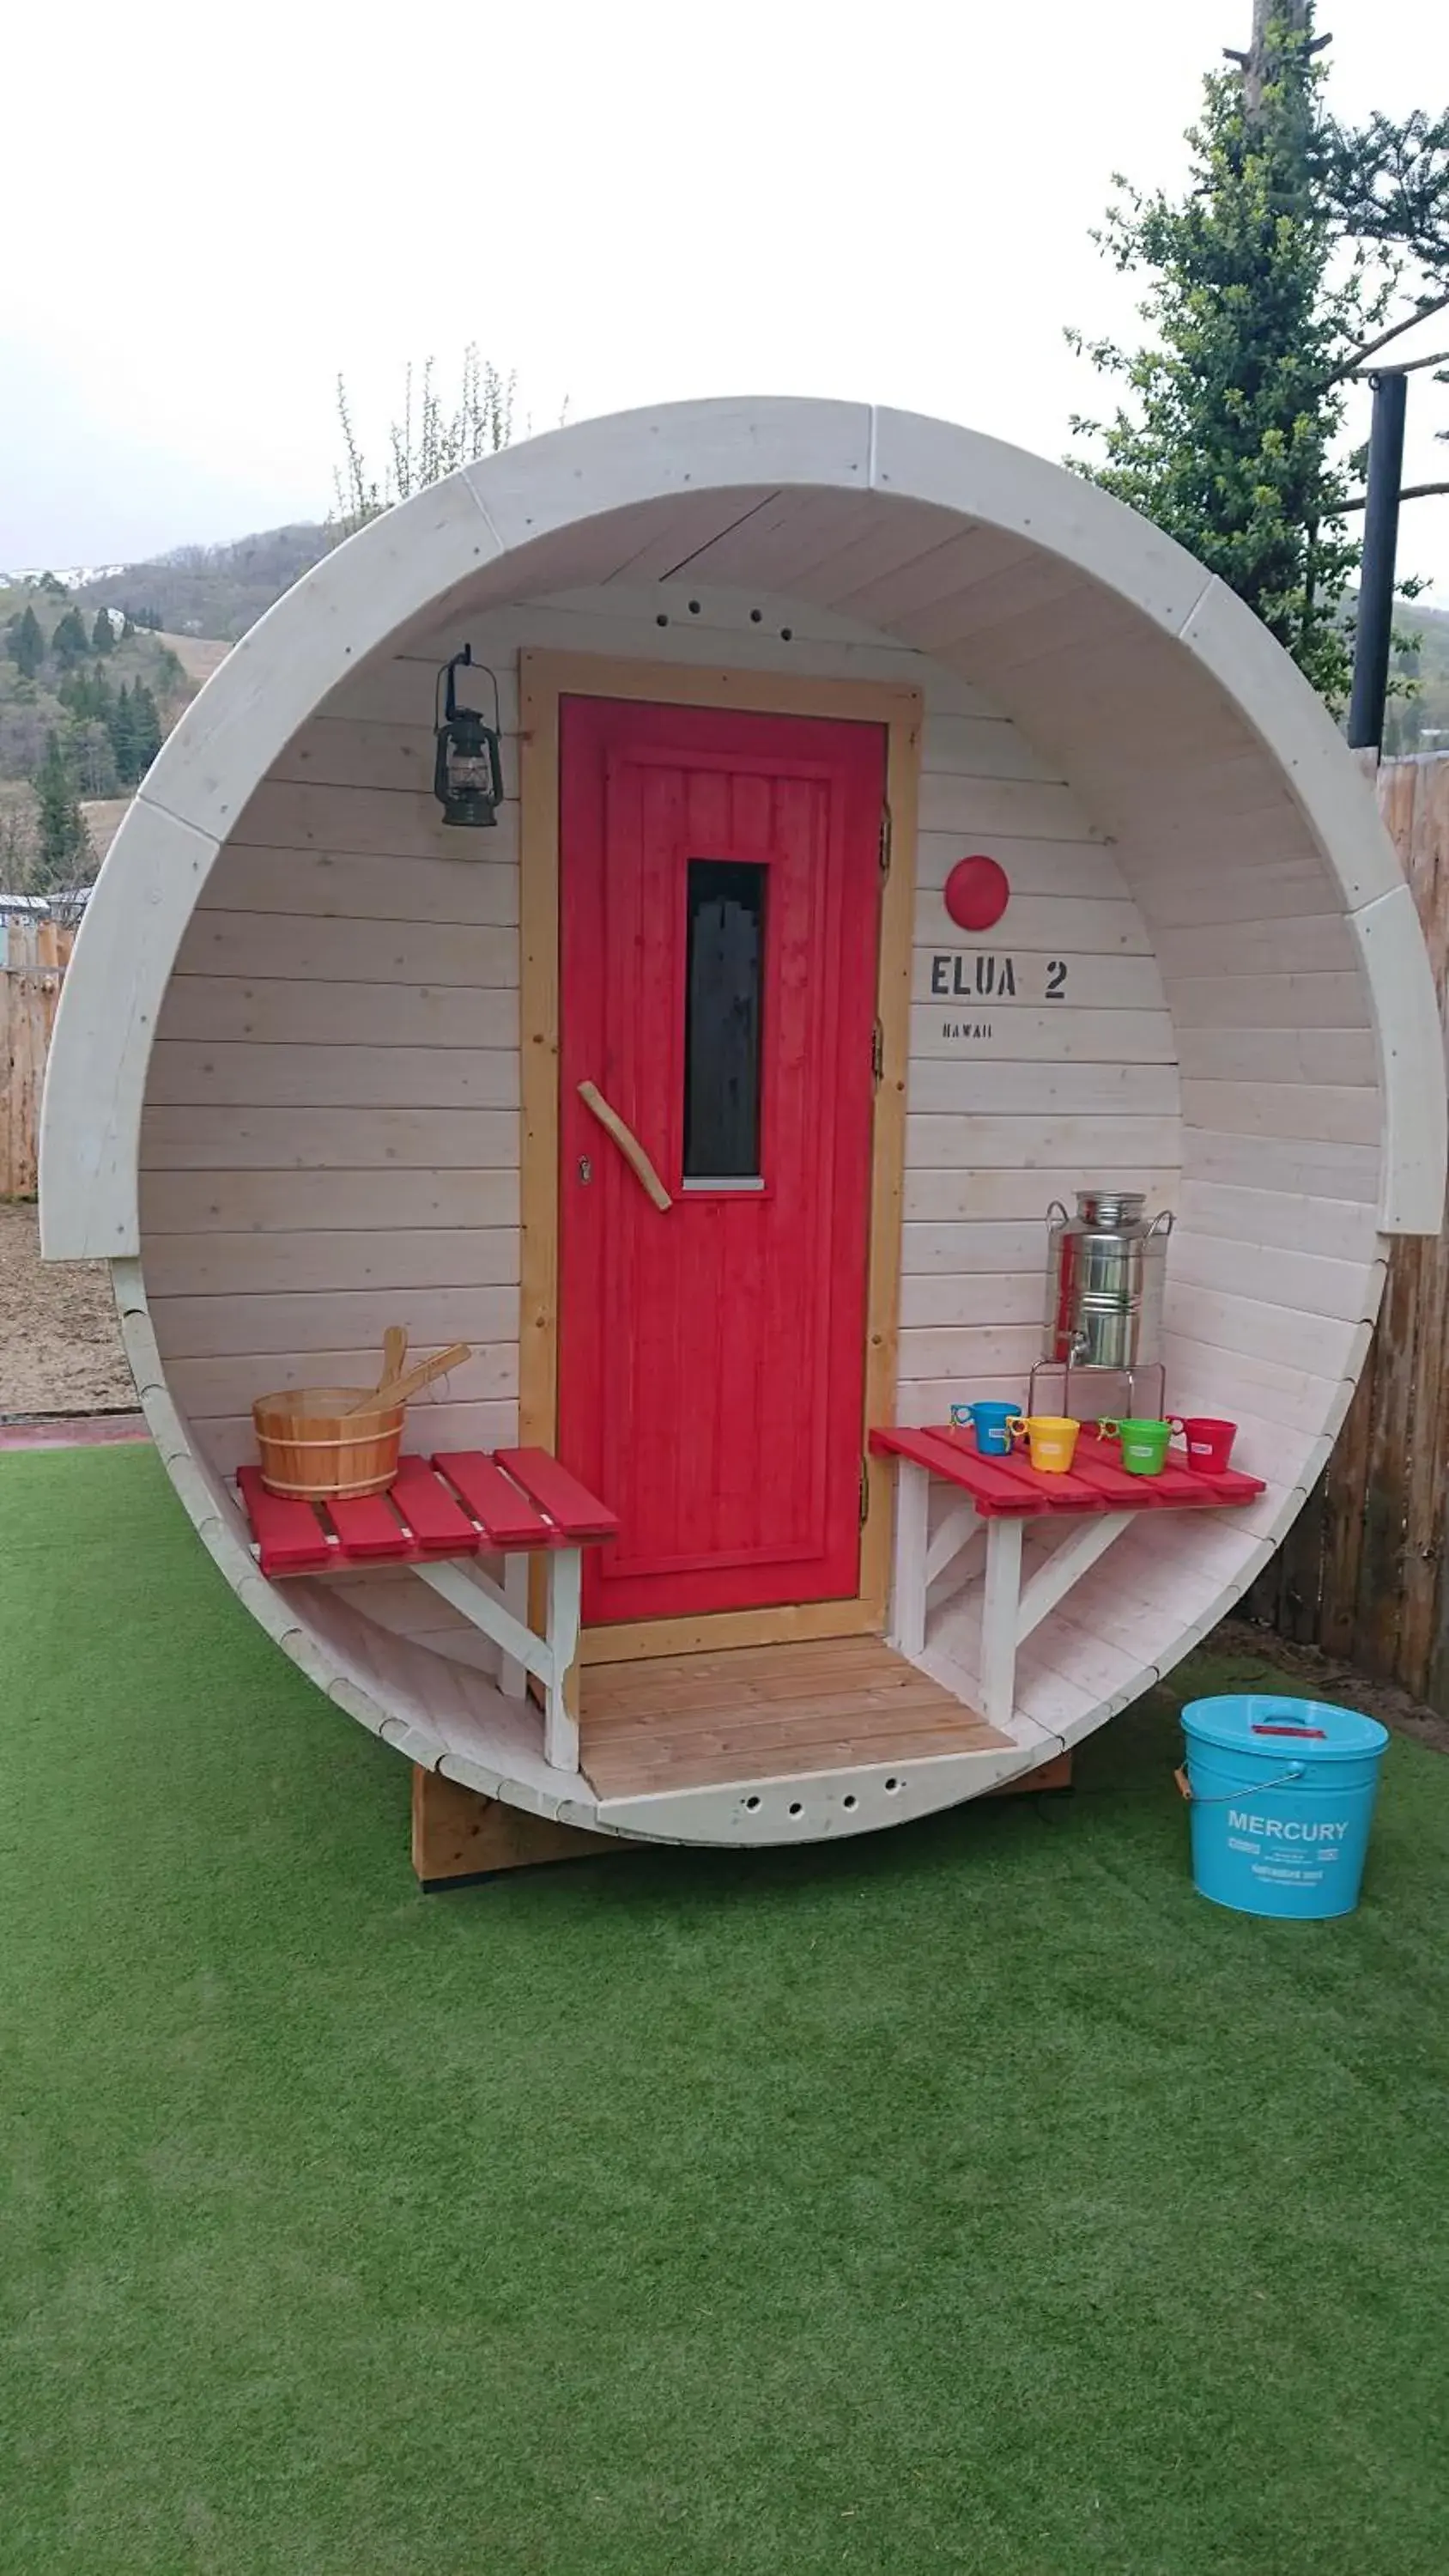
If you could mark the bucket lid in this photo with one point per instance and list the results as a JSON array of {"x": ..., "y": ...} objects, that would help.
[{"x": 1305, "y": 1730}]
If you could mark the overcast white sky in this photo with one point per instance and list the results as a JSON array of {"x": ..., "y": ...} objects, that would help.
[{"x": 626, "y": 202}]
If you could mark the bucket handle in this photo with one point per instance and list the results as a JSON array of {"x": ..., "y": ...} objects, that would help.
[{"x": 1251, "y": 1788}]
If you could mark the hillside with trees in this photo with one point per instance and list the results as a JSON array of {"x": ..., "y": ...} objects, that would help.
[
  {"x": 87, "y": 696},
  {"x": 215, "y": 591}
]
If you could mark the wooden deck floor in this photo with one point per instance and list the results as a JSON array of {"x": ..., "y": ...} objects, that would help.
[{"x": 754, "y": 1712}]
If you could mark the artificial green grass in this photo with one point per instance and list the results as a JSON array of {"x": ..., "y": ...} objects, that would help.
[{"x": 970, "y": 2197}]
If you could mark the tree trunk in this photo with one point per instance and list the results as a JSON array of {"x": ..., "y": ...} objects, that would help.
[{"x": 1297, "y": 16}]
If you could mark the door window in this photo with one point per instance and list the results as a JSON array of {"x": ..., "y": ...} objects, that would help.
[{"x": 723, "y": 982}]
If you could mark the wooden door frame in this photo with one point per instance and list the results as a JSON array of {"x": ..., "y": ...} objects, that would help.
[{"x": 544, "y": 678}]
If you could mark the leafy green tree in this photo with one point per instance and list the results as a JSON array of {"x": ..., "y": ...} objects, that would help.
[
  {"x": 69, "y": 642},
  {"x": 103, "y": 633},
  {"x": 27, "y": 643},
  {"x": 1267, "y": 289},
  {"x": 64, "y": 851}
]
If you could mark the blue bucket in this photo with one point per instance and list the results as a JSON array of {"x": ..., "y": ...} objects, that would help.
[{"x": 1282, "y": 1796}]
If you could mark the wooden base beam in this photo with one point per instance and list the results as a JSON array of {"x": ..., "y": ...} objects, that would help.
[
  {"x": 460, "y": 1837},
  {"x": 1056, "y": 1774}
]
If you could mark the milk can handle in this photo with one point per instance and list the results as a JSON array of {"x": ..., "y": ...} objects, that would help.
[
  {"x": 1056, "y": 1216},
  {"x": 1160, "y": 1224}
]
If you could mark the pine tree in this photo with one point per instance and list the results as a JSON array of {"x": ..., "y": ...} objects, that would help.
[
  {"x": 103, "y": 633},
  {"x": 146, "y": 723},
  {"x": 122, "y": 727},
  {"x": 1228, "y": 446},
  {"x": 64, "y": 845},
  {"x": 27, "y": 644},
  {"x": 69, "y": 642},
  {"x": 1269, "y": 283}
]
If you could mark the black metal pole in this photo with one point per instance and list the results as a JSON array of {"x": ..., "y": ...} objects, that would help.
[{"x": 1376, "y": 575}]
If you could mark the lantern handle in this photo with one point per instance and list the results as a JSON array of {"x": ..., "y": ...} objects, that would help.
[{"x": 446, "y": 688}]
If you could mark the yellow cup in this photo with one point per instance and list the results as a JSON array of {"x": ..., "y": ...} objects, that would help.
[{"x": 1052, "y": 1438}]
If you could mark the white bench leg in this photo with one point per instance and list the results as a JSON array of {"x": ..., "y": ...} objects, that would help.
[
  {"x": 908, "y": 1586},
  {"x": 999, "y": 1621},
  {"x": 560, "y": 1716},
  {"x": 512, "y": 1677}
]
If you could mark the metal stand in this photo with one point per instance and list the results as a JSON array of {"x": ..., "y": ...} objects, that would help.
[{"x": 1097, "y": 1380}]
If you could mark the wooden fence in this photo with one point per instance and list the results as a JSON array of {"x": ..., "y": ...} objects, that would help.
[
  {"x": 1362, "y": 1571},
  {"x": 33, "y": 958}
]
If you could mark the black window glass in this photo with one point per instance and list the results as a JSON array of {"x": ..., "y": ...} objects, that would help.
[{"x": 723, "y": 975}]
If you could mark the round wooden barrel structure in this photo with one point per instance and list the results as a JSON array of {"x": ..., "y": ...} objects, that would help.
[{"x": 319, "y": 1064}]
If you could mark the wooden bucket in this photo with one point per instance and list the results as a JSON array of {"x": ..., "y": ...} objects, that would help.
[{"x": 312, "y": 1446}]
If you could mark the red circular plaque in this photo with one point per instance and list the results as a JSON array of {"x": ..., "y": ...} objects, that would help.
[{"x": 978, "y": 891}]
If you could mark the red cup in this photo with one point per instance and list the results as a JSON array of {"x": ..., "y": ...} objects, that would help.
[{"x": 1209, "y": 1442}]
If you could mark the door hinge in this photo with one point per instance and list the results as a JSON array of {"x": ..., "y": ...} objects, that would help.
[
  {"x": 864, "y": 1491},
  {"x": 885, "y": 840},
  {"x": 877, "y": 1054}
]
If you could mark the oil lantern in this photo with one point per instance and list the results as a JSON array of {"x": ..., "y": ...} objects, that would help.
[{"x": 468, "y": 762}]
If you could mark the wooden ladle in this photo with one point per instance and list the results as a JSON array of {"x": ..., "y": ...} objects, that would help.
[
  {"x": 394, "y": 1353},
  {"x": 396, "y": 1390}
]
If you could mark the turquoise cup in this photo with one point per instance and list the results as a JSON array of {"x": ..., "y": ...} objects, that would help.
[{"x": 989, "y": 1422}]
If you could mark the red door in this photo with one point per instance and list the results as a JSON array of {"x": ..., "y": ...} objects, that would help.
[{"x": 719, "y": 896}]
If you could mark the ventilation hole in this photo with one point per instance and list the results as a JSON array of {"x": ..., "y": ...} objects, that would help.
[
  {"x": 891, "y": 1787},
  {"x": 787, "y": 634},
  {"x": 750, "y": 1805},
  {"x": 661, "y": 619},
  {"x": 847, "y": 1804},
  {"x": 756, "y": 615},
  {"x": 694, "y": 608},
  {"x": 796, "y": 1808}
]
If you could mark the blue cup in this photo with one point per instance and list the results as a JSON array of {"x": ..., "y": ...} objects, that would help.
[{"x": 989, "y": 1422}]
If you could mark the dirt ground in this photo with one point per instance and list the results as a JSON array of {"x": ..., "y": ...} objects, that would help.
[
  {"x": 60, "y": 1348},
  {"x": 1321, "y": 1676}
]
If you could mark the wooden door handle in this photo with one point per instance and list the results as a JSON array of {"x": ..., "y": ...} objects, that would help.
[{"x": 628, "y": 1144}]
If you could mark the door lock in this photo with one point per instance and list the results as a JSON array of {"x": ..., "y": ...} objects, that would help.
[{"x": 586, "y": 1168}]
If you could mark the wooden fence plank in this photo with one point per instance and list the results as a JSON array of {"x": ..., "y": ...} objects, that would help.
[
  {"x": 33, "y": 957},
  {"x": 1363, "y": 1572}
]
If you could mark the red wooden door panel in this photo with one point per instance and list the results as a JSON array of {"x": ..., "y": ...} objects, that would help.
[{"x": 719, "y": 898}]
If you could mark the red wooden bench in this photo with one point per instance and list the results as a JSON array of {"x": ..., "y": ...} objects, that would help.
[
  {"x": 438, "y": 1513},
  {"x": 1003, "y": 1495}
]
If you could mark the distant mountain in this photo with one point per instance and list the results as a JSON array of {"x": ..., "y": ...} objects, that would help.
[
  {"x": 1420, "y": 722},
  {"x": 215, "y": 591},
  {"x": 71, "y": 575}
]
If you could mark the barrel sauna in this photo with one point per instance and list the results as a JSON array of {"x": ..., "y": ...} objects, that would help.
[{"x": 894, "y": 836}]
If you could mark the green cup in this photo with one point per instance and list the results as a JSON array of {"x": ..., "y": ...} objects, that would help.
[{"x": 1144, "y": 1444}]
